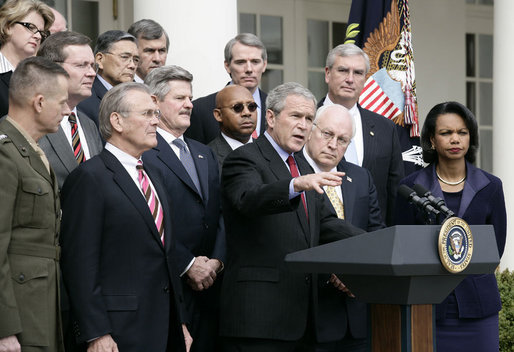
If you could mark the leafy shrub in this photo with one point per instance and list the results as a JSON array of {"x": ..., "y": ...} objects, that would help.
[{"x": 506, "y": 286}]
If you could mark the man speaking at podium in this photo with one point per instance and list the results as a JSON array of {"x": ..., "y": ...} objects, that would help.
[{"x": 273, "y": 206}]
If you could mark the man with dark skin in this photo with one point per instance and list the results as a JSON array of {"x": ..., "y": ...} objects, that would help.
[{"x": 236, "y": 112}]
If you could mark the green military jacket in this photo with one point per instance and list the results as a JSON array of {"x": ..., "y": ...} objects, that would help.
[{"x": 29, "y": 249}]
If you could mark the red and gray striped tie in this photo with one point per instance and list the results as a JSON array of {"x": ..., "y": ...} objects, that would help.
[
  {"x": 151, "y": 199},
  {"x": 75, "y": 139}
]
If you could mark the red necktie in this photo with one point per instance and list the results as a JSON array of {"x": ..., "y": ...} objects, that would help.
[
  {"x": 151, "y": 199},
  {"x": 254, "y": 134},
  {"x": 75, "y": 139},
  {"x": 294, "y": 172}
]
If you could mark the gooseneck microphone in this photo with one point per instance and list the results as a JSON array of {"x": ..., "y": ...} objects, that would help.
[
  {"x": 421, "y": 202},
  {"x": 437, "y": 202}
]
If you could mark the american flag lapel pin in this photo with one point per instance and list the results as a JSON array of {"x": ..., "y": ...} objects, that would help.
[
  {"x": 200, "y": 156},
  {"x": 349, "y": 178}
]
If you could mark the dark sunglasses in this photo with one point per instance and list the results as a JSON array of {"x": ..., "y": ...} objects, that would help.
[
  {"x": 33, "y": 28},
  {"x": 239, "y": 107}
]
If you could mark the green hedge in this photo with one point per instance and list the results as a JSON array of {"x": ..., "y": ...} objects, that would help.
[{"x": 506, "y": 286}]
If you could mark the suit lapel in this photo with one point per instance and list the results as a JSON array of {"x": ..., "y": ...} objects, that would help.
[
  {"x": 63, "y": 149},
  {"x": 202, "y": 169},
  {"x": 170, "y": 159},
  {"x": 87, "y": 125},
  {"x": 475, "y": 181},
  {"x": 130, "y": 189},
  {"x": 368, "y": 132},
  {"x": 263, "y": 111},
  {"x": 310, "y": 199}
]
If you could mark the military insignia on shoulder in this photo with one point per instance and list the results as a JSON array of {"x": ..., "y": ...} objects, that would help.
[
  {"x": 455, "y": 244},
  {"x": 2, "y": 137}
]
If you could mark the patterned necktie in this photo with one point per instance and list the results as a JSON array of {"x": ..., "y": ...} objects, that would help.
[
  {"x": 151, "y": 199},
  {"x": 187, "y": 161},
  {"x": 335, "y": 200},
  {"x": 75, "y": 139},
  {"x": 295, "y": 173}
]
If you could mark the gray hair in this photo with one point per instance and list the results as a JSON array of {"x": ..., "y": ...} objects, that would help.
[
  {"x": 340, "y": 109},
  {"x": 344, "y": 50},
  {"x": 157, "y": 80},
  {"x": 149, "y": 30},
  {"x": 106, "y": 40},
  {"x": 248, "y": 39},
  {"x": 277, "y": 97},
  {"x": 115, "y": 100}
]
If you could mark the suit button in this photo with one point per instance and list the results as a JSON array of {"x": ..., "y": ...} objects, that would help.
[
  {"x": 307, "y": 279},
  {"x": 21, "y": 277},
  {"x": 166, "y": 289},
  {"x": 206, "y": 226}
]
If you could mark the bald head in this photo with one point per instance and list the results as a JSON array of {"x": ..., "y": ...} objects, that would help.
[
  {"x": 59, "y": 24},
  {"x": 331, "y": 133},
  {"x": 237, "y": 125}
]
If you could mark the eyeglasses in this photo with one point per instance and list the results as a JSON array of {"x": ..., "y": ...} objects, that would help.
[
  {"x": 239, "y": 107},
  {"x": 33, "y": 28},
  {"x": 329, "y": 136},
  {"x": 125, "y": 58},
  {"x": 147, "y": 114}
]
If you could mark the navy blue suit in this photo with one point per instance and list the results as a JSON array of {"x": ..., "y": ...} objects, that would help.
[
  {"x": 120, "y": 277},
  {"x": 198, "y": 225},
  {"x": 91, "y": 105},
  {"x": 482, "y": 203}
]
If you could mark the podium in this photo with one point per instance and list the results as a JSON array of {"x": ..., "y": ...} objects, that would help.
[{"x": 398, "y": 271}]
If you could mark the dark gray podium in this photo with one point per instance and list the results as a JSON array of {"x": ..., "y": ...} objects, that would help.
[{"x": 399, "y": 272}]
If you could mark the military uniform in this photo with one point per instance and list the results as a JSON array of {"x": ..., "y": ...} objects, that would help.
[{"x": 29, "y": 251}]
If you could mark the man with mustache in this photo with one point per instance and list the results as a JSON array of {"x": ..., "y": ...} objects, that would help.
[
  {"x": 116, "y": 57},
  {"x": 236, "y": 113},
  {"x": 78, "y": 138},
  {"x": 190, "y": 173},
  {"x": 245, "y": 61}
]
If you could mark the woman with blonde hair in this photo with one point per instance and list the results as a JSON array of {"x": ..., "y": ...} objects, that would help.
[{"x": 24, "y": 24}]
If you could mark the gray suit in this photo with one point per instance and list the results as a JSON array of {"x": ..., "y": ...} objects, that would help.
[{"x": 59, "y": 152}]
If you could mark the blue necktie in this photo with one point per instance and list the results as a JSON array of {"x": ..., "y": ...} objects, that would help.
[{"x": 187, "y": 161}]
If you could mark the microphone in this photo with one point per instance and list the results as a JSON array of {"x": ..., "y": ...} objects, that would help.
[
  {"x": 421, "y": 202},
  {"x": 437, "y": 202}
]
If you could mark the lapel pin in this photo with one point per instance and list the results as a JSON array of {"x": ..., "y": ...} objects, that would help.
[
  {"x": 371, "y": 133},
  {"x": 349, "y": 178},
  {"x": 200, "y": 156}
]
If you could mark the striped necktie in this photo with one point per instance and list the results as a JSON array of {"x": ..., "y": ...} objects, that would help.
[
  {"x": 151, "y": 199},
  {"x": 75, "y": 139},
  {"x": 336, "y": 201}
]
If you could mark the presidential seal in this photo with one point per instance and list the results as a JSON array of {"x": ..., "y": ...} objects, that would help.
[{"x": 455, "y": 244}]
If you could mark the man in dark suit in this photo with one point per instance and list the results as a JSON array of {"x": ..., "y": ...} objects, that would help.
[
  {"x": 30, "y": 210},
  {"x": 118, "y": 249},
  {"x": 236, "y": 113},
  {"x": 77, "y": 139},
  {"x": 342, "y": 320},
  {"x": 153, "y": 44},
  {"x": 245, "y": 61},
  {"x": 116, "y": 57},
  {"x": 190, "y": 173},
  {"x": 272, "y": 206},
  {"x": 375, "y": 145}
]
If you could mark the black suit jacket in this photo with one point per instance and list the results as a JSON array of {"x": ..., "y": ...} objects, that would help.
[
  {"x": 261, "y": 298},
  {"x": 337, "y": 312},
  {"x": 221, "y": 149},
  {"x": 120, "y": 278},
  {"x": 91, "y": 105},
  {"x": 204, "y": 127},
  {"x": 5, "y": 78},
  {"x": 383, "y": 158}
]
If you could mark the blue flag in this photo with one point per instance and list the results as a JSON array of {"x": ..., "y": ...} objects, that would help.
[{"x": 382, "y": 29}]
